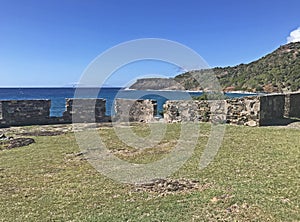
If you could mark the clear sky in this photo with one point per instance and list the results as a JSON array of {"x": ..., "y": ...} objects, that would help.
[{"x": 51, "y": 42}]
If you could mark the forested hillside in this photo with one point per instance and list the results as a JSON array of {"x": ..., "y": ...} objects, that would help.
[{"x": 276, "y": 72}]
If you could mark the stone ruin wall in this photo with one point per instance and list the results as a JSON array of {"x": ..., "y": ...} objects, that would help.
[
  {"x": 127, "y": 110},
  {"x": 251, "y": 111},
  {"x": 1, "y": 111},
  {"x": 243, "y": 111},
  {"x": 3, "y": 122},
  {"x": 186, "y": 111},
  {"x": 292, "y": 105},
  {"x": 25, "y": 112},
  {"x": 239, "y": 111},
  {"x": 85, "y": 110},
  {"x": 37, "y": 112},
  {"x": 248, "y": 111},
  {"x": 194, "y": 111},
  {"x": 272, "y": 109}
]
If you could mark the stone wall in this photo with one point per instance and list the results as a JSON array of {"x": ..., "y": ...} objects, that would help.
[
  {"x": 240, "y": 111},
  {"x": 218, "y": 111},
  {"x": 3, "y": 122},
  {"x": 35, "y": 112},
  {"x": 292, "y": 105},
  {"x": 272, "y": 109},
  {"x": 25, "y": 112},
  {"x": 85, "y": 110},
  {"x": 1, "y": 110},
  {"x": 243, "y": 111},
  {"x": 135, "y": 110},
  {"x": 250, "y": 111},
  {"x": 186, "y": 111}
]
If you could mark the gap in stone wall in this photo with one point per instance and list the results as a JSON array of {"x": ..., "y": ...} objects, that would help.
[{"x": 56, "y": 107}]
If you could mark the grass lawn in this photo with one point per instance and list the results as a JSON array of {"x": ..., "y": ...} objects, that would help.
[{"x": 254, "y": 177}]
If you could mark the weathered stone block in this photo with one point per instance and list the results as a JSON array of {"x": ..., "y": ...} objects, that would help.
[
  {"x": 26, "y": 112},
  {"x": 241, "y": 111},
  {"x": 85, "y": 110},
  {"x": 272, "y": 109},
  {"x": 127, "y": 110},
  {"x": 292, "y": 105},
  {"x": 193, "y": 111}
]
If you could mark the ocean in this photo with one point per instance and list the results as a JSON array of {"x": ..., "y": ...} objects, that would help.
[{"x": 59, "y": 95}]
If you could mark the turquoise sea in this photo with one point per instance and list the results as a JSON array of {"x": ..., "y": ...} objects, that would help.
[{"x": 59, "y": 95}]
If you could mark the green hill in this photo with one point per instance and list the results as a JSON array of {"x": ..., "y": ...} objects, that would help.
[{"x": 278, "y": 71}]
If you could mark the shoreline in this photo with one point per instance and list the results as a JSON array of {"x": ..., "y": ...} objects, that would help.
[{"x": 195, "y": 91}]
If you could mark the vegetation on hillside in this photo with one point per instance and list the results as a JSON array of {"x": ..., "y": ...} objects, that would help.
[{"x": 276, "y": 72}]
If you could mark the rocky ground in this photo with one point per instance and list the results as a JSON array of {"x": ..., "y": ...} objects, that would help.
[{"x": 10, "y": 142}]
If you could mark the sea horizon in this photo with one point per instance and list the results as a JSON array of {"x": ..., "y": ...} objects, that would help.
[{"x": 58, "y": 95}]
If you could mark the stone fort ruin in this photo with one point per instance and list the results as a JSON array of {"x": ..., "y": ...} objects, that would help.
[{"x": 250, "y": 111}]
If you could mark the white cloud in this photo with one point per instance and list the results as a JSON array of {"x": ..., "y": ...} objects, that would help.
[{"x": 294, "y": 36}]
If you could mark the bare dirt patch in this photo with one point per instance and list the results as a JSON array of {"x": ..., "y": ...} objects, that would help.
[
  {"x": 41, "y": 133},
  {"x": 168, "y": 186}
]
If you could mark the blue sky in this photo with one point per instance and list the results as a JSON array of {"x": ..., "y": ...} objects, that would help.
[{"x": 50, "y": 43}]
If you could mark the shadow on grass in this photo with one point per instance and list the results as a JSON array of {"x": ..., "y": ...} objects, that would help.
[{"x": 279, "y": 122}]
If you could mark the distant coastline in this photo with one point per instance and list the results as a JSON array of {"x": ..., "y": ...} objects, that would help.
[{"x": 196, "y": 91}]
